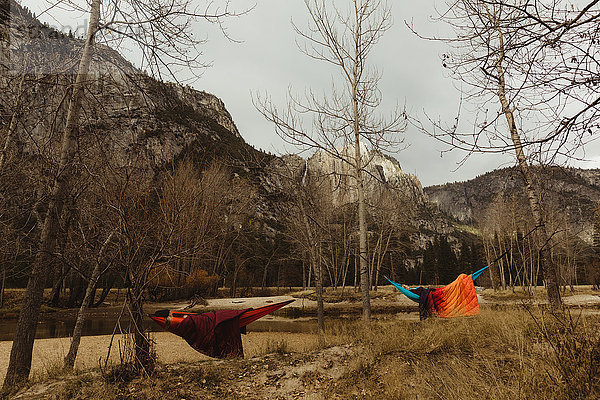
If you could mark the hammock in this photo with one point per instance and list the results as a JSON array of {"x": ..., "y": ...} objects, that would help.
[
  {"x": 216, "y": 334},
  {"x": 456, "y": 299}
]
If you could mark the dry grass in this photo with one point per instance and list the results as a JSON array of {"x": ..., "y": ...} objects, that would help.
[
  {"x": 500, "y": 354},
  {"x": 186, "y": 381},
  {"x": 536, "y": 294},
  {"x": 275, "y": 346},
  {"x": 497, "y": 355}
]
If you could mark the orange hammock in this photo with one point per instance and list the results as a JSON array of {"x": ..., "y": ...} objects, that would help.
[{"x": 457, "y": 299}]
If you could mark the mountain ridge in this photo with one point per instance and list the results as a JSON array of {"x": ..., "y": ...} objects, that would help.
[{"x": 575, "y": 191}]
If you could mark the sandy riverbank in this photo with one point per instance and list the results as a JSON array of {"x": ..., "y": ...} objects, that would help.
[{"x": 49, "y": 353}]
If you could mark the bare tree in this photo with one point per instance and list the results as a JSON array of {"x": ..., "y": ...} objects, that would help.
[
  {"x": 391, "y": 212},
  {"x": 304, "y": 225},
  {"x": 593, "y": 270},
  {"x": 562, "y": 47},
  {"x": 20, "y": 356},
  {"x": 163, "y": 30},
  {"x": 69, "y": 361},
  {"x": 508, "y": 60},
  {"x": 12, "y": 125},
  {"x": 346, "y": 118}
]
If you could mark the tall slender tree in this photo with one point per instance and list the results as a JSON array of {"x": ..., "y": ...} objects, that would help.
[
  {"x": 163, "y": 30},
  {"x": 511, "y": 56},
  {"x": 346, "y": 120},
  {"x": 22, "y": 348}
]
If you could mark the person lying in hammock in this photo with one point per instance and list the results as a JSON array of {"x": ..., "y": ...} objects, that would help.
[
  {"x": 456, "y": 299},
  {"x": 217, "y": 333}
]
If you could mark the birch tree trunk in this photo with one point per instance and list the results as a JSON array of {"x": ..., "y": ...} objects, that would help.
[
  {"x": 20, "y": 356},
  {"x": 69, "y": 361},
  {"x": 362, "y": 218},
  {"x": 547, "y": 265},
  {"x": 362, "y": 231}
]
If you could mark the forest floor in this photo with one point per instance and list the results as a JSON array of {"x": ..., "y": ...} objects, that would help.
[{"x": 516, "y": 348}]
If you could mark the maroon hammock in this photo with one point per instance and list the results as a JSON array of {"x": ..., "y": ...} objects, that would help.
[{"x": 216, "y": 334}]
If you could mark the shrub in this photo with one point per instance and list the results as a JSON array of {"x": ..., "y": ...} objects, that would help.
[{"x": 167, "y": 284}]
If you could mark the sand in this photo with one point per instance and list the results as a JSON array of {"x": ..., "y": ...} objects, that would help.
[{"x": 49, "y": 353}]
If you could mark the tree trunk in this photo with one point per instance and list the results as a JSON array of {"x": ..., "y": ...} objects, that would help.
[
  {"x": 264, "y": 277},
  {"x": 356, "y": 269},
  {"x": 486, "y": 249},
  {"x": 356, "y": 119},
  {"x": 105, "y": 292},
  {"x": 303, "y": 276},
  {"x": 315, "y": 263},
  {"x": 12, "y": 126},
  {"x": 346, "y": 268},
  {"x": 233, "y": 287},
  {"x": 381, "y": 258},
  {"x": 501, "y": 263},
  {"x": 21, "y": 352},
  {"x": 76, "y": 291},
  {"x": 144, "y": 359},
  {"x": 59, "y": 276},
  {"x": 362, "y": 219},
  {"x": 547, "y": 266},
  {"x": 3, "y": 285},
  {"x": 69, "y": 361}
]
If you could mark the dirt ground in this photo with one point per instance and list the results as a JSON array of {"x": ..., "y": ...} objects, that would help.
[{"x": 275, "y": 376}]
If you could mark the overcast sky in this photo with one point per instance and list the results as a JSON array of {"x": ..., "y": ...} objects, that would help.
[{"x": 268, "y": 62}]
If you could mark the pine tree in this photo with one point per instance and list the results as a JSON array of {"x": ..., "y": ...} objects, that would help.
[
  {"x": 447, "y": 262},
  {"x": 429, "y": 268}
]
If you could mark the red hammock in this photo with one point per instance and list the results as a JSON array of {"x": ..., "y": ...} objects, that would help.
[{"x": 216, "y": 334}]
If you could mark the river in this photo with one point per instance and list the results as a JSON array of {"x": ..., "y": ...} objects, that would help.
[{"x": 105, "y": 320}]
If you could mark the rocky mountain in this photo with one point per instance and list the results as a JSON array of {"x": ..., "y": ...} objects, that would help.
[
  {"x": 575, "y": 192},
  {"x": 381, "y": 171},
  {"x": 162, "y": 121},
  {"x": 135, "y": 118}
]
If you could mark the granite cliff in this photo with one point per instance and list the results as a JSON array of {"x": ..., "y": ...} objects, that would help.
[
  {"x": 575, "y": 192},
  {"x": 129, "y": 109}
]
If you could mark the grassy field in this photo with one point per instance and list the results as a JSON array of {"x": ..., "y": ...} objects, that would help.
[
  {"x": 500, "y": 354},
  {"x": 537, "y": 293},
  {"x": 496, "y": 355}
]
